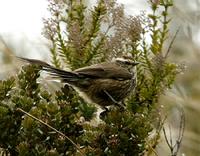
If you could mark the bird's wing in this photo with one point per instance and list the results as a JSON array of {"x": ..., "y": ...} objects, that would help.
[
  {"x": 105, "y": 70},
  {"x": 102, "y": 70}
]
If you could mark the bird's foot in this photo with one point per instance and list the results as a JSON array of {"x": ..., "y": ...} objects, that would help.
[
  {"x": 121, "y": 106},
  {"x": 104, "y": 113}
]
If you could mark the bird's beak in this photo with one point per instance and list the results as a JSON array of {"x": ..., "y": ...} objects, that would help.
[{"x": 134, "y": 63}]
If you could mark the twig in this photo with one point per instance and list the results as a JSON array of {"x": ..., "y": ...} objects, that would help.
[
  {"x": 153, "y": 150},
  {"x": 175, "y": 148},
  {"x": 170, "y": 137},
  {"x": 181, "y": 132},
  {"x": 171, "y": 43},
  {"x": 166, "y": 139},
  {"x": 42, "y": 122}
]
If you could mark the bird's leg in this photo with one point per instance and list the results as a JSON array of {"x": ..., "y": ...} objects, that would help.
[
  {"x": 104, "y": 113},
  {"x": 115, "y": 102},
  {"x": 106, "y": 110}
]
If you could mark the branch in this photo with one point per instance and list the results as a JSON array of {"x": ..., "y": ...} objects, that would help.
[
  {"x": 171, "y": 43},
  {"x": 175, "y": 148},
  {"x": 60, "y": 133}
]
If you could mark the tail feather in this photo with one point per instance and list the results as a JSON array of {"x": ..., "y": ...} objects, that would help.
[
  {"x": 65, "y": 76},
  {"x": 34, "y": 61},
  {"x": 59, "y": 72}
]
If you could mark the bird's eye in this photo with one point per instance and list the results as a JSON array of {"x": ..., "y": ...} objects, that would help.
[
  {"x": 127, "y": 62},
  {"x": 131, "y": 63},
  {"x": 119, "y": 79}
]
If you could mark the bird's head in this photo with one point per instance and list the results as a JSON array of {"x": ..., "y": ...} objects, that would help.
[{"x": 127, "y": 63}]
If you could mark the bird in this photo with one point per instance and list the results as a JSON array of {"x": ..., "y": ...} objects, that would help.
[{"x": 105, "y": 83}]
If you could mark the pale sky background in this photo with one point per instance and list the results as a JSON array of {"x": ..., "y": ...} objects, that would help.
[
  {"x": 25, "y": 16},
  {"x": 21, "y": 23},
  {"x": 22, "y": 16}
]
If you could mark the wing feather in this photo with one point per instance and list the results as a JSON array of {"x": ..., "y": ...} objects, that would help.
[{"x": 105, "y": 70}]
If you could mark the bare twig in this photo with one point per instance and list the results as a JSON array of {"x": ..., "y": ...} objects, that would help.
[
  {"x": 170, "y": 136},
  {"x": 158, "y": 130},
  {"x": 166, "y": 139},
  {"x": 152, "y": 149},
  {"x": 181, "y": 132},
  {"x": 60, "y": 133},
  {"x": 172, "y": 42},
  {"x": 175, "y": 148}
]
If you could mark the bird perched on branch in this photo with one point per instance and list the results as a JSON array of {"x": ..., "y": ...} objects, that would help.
[{"x": 105, "y": 84}]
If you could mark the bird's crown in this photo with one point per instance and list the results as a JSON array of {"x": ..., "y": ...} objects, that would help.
[{"x": 125, "y": 61}]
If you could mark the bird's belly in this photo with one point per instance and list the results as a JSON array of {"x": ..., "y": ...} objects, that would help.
[{"x": 117, "y": 89}]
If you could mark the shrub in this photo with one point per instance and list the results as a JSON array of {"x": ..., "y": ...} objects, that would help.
[{"x": 82, "y": 36}]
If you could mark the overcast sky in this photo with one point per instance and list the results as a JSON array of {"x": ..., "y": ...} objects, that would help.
[
  {"x": 25, "y": 16},
  {"x": 21, "y": 23},
  {"x": 22, "y": 16}
]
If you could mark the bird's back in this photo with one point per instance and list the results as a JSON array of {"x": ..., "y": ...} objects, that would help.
[{"x": 105, "y": 70}]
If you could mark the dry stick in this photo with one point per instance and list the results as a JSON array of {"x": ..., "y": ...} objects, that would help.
[
  {"x": 180, "y": 137},
  {"x": 153, "y": 150},
  {"x": 181, "y": 132},
  {"x": 171, "y": 43},
  {"x": 62, "y": 134}
]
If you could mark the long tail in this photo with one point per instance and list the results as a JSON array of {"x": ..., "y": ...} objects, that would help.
[{"x": 65, "y": 76}]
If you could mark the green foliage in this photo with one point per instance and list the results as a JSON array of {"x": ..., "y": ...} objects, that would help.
[
  {"x": 82, "y": 36},
  {"x": 119, "y": 134}
]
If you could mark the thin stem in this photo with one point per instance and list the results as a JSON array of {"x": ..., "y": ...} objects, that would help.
[
  {"x": 172, "y": 42},
  {"x": 42, "y": 122}
]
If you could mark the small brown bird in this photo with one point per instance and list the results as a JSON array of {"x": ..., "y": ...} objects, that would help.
[{"x": 105, "y": 84}]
